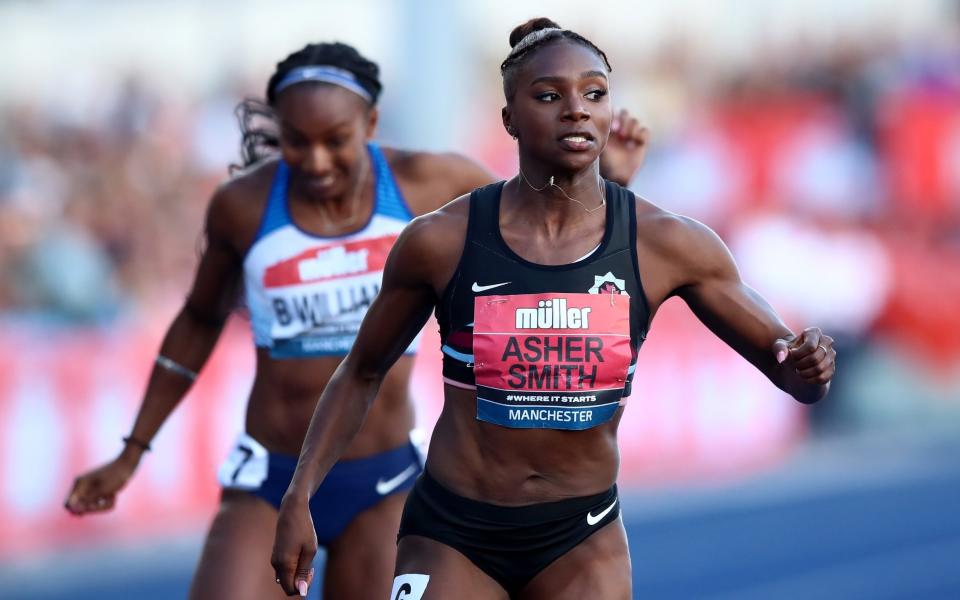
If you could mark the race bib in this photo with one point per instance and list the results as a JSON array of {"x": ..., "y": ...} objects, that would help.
[
  {"x": 555, "y": 361},
  {"x": 409, "y": 586},
  {"x": 246, "y": 466},
  {"x": 319, "y": 297}
]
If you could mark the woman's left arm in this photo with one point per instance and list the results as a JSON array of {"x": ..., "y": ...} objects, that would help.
[{"x": 709, "y": 282}]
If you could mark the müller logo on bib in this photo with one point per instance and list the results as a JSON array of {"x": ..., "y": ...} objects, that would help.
[
  {"x": 553, "y": 314},
  {"x": 320, "y": 295},
  {"x": 331, "y": 261},
  {"x": 550, "y": 360}
]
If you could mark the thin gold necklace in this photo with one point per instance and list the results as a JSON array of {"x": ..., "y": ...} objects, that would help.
[{"x": 550, "y": 183}]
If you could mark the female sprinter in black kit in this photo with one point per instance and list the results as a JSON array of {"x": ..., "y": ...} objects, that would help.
[
  {"x": 306, "y": 236},
  {"x": 544, "y": 287}
]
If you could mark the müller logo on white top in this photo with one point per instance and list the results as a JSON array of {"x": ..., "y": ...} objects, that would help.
[
  {"x": 553, "y": 314},
  {"x": 332, "y": 263}
]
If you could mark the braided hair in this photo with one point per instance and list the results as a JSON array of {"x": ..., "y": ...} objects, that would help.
[
  {"x": 257, "y": 120},
  {"x": 536, "y": 33}
]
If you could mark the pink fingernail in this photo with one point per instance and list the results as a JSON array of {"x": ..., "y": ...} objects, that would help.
[
  {"x": 781, "y": 356},
  {"x": 302, "y": 588}
]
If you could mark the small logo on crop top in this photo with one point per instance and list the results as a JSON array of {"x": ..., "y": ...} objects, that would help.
[
  {"x": 334, "y": 262},
  {"x": 608, "y": 284},
  {"x": 553, "y": 314},
  {"x": 482, "y": 288}
]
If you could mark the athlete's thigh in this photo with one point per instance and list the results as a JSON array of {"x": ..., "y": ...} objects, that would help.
[
  {"x": 360, "y": 561},
  {"x": 445, "y": 573},
  {"x": 599, "y": 568},
  {"x": 235, "y": 562}
]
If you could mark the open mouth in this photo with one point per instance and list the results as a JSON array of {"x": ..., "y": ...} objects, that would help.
[
  {"x": 321, "y": 182},
  {"x": 577, "y": 137},
  {"x": 577, "y": 141}
]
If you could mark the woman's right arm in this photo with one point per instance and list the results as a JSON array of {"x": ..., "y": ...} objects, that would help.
[
  {"x": 420, "y": 263},
  {"x": 187, "y": 345}
]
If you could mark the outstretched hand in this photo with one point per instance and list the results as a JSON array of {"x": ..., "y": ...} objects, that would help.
[
  {"x": 810, "y": 354},
  {"x": 625, "y": 149}
]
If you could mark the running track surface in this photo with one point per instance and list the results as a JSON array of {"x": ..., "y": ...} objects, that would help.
[{"x": 871, "y": 519}]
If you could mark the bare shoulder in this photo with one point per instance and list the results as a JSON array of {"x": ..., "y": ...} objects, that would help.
[
  {"x": 250, "y": 185},
  {"x": 435, "y": 231},
  {"x": 237, "y": 204},
  {"x": 429, "y": 180},
  {"x": 685, "y": 246},
  {"x": 420, "y": 165},
  {"x": 430, "y": 246}
]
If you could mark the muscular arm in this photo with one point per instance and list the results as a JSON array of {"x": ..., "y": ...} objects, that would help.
[
  {"x": 194, "y": 332},
  {"x": 189, "y": 341},
  {"x": 707, "y": 279},
  {"x": 394, "y": 318},
  {"x": 419, "y": 266}
]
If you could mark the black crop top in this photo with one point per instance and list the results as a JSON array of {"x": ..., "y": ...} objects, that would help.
[{"x": 544, "y": 346}]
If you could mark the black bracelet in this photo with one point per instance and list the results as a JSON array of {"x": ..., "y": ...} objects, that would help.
[{"x": 129, "y": 439}]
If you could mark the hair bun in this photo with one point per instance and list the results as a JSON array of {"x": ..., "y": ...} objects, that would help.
[{"x": 521, "y": 31}]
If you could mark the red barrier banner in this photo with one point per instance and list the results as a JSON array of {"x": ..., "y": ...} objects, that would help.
[{"x": 68, "y": 396}]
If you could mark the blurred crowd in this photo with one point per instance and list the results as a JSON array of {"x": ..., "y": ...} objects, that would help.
[
  {"x": 832, "y": 171},
  {"x": 101, "y": 208},
  {"x": 834, "y": 174}
]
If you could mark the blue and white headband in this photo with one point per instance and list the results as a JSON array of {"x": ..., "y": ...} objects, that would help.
[{"x": 324, "y": 74}]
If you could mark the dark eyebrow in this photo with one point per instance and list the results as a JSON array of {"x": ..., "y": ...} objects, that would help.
[
  {"x": 558, "y": 79},
  {"x": 589, "y": 74}
]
